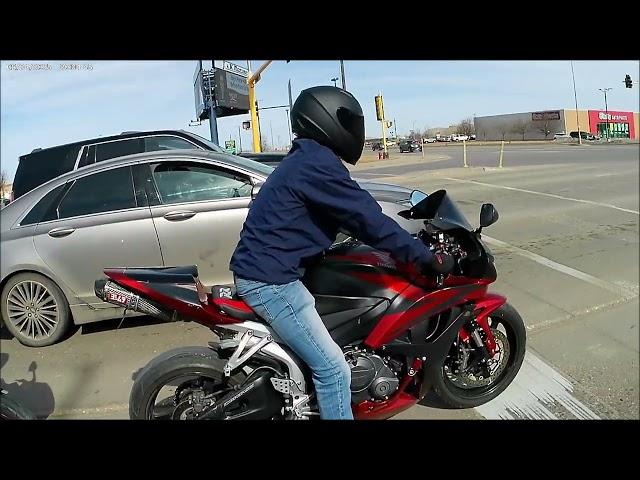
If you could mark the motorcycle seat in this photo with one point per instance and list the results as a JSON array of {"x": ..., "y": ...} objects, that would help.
[{"x": 227, "y": 300}]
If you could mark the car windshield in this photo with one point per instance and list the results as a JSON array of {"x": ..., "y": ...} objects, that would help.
[
  {"x": 208, "y": 143},
  {"x": 240, "y": 161},
  {"x": 252, "y": 164}
]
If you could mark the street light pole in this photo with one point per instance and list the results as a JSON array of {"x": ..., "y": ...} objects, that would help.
[
  {"x": 344, "y": 82},
  {"x": 213, "y": 120},
  {"x": 289, "y": 127},
  {"x": 271, "y": 129},
  {"x": 606, "y": 108},
  {"x": 334, "y": 80},
  {"x": 575, "y": 96}
]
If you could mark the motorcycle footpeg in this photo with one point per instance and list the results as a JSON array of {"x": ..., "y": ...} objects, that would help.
[{"x": 224, "y": 344}]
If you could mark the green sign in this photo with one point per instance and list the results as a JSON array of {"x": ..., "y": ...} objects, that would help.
[{"x": 230, "y": 146}]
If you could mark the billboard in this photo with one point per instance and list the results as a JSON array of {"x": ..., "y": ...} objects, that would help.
[
  {"x": 231, "y": 93},
  {"x": 201, "y": 111}
]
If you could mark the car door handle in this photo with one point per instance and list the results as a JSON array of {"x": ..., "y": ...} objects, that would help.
[
  {"x": 61, "y": 232},
  {"x": 180, "y": 215}
]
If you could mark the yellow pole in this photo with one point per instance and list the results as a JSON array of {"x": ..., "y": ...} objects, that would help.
[
  {"x": 255, "y": 121},
  {"x": 255, "y": 124},
  {"x": 464, "y": 153},
  {"x": 501, "y": 153}
]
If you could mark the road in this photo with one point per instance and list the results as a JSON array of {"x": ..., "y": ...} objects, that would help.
[
  {"x": 451, "y": 156},
  {"x": 566, "y": 248}
]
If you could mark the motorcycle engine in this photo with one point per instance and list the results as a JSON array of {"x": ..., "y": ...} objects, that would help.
[{"x": 371, "y": 378}]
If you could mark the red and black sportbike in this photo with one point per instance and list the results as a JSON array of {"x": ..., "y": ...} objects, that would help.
[{"x": 402, "y": 332}]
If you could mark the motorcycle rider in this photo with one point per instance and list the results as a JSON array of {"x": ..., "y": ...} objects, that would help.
[{"x": 296, "y": 216}]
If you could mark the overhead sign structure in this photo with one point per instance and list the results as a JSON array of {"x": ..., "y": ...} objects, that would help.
[
  {"x": 231, "y": 67},
  {"x": 231, "y": 93},
  {"x": 202, "y": 112}
]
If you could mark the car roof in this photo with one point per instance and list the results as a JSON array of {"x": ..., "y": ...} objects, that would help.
[{"x": 121, "y": 136}]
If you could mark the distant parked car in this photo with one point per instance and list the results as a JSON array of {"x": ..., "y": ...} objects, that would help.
[
  {"x": 459, "y": 138},
  {"x": 585, "y": 136},
  {"x": 410, "y": 146},
  {"x": 561, "y": 135}
]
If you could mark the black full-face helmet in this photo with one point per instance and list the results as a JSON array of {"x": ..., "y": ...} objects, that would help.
[{"x": 332, "y": 117}]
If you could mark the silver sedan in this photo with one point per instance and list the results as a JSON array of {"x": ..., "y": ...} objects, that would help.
[{"x": 180, "y": 207}]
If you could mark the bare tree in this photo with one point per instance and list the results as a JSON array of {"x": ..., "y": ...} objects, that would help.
[
  {"x": 466, "y": 127},
  {"x": 544, "y": 127},
  {"x": 521, "y": 127},
  {"x": 3, "y": 183},
  {"x": 503, "y": 129}
]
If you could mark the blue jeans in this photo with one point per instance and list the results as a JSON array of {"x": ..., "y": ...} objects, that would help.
[{"x": 290, "y": 311}]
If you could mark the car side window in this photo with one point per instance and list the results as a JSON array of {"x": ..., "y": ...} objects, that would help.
[
  {"x": 118, "y": 148},
  {"x": 179, "y": 182},
  {"x": 88, "y": 156},
  {"x": 101, "y": 192},
  {"x": 154, "y": 144},
  {"x": 39, "y": 211}
]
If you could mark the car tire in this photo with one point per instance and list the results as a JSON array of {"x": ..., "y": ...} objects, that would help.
[{"x": 48, "y": 315}]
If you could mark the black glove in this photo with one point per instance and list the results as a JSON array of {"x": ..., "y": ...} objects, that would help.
[{"x": 440, "y": 263}]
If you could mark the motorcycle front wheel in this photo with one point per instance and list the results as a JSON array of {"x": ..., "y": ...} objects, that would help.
[{"x": 460, "y": 388}]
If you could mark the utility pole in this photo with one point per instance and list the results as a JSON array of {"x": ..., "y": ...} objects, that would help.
[
  {"x": 575, "y": 96},
  {"x": 606, "y": 109}
]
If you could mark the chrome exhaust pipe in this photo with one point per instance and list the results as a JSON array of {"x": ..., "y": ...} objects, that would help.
[{"x": 113, "y": 293}]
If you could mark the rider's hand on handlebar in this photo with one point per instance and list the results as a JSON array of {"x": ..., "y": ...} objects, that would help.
[{"x": 441, "y": 263}]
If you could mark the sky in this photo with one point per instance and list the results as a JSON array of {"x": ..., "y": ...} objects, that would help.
[{"x": 43, "y": 108}]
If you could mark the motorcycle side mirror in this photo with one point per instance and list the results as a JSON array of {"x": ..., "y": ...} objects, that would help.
[
  {"x": 256, "y": 188},
  {"x": 416, "y": 197},
  {"x": 488, "y": 215},
  {"x": 33, "y": 366}
]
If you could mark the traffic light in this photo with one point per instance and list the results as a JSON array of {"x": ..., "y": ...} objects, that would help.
[
  {"x": 628, "y": 82},
  {"x": 379, "y": 108}
]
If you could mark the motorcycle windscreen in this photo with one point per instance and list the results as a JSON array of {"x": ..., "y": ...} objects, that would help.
[{"x": 440, "y": 208}]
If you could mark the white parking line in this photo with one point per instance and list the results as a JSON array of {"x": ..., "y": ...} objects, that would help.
[
  {"x": 537, "y": 393},
  {"x": 624, "y": 292},
  {"x": 589, "y": 202}
]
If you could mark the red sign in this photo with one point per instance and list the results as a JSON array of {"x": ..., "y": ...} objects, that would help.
[{"x": 600, "y": 116}]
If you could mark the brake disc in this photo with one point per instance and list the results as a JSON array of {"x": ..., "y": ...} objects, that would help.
[{"x": 497, "y": 364}]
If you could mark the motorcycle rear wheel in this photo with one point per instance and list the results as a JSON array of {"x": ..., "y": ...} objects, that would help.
[{"x": 173, "y": 369}]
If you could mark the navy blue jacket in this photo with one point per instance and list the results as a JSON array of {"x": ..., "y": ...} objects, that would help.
[{"x": 297, "y": 214}]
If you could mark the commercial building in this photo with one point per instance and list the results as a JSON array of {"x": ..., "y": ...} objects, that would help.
[{"x": 545, "y": 124}]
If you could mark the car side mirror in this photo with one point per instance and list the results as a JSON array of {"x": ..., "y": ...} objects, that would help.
[
  {"x": 256, "y": 189},
  {"x": 488, "y": 215}
]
